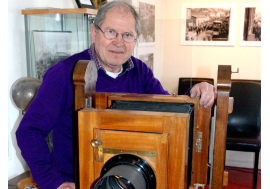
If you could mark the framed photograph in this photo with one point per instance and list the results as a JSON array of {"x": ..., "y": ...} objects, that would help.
[
  {"x": 250, "y": 25},
  {"x": 146, "y": 54},
  {"x": 99, "y": 3},
  {"x": 85, "y": 4},
  {"x": 147, "y": 17},
  {"x": 208, "y": 24},
  {"x": 49, "y": 48}
]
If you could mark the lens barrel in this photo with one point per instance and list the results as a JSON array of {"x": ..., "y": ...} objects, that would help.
[{"x": 126, "y": 171}]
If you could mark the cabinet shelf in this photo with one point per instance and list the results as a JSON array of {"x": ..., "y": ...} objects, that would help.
[{"x": 59, "y": 11}]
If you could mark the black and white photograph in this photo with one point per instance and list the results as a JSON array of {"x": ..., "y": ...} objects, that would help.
[
  {"x": 50, "y": 48},
  {"x": 250, "y": 30},
  {"x": 146, "y": 54},
  {"x": 208, "y": 24},
  {"x": 148, "y": 59},
  {"x": 147, "y": 16}
]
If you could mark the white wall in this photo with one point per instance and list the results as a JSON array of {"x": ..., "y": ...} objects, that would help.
[
  {"x": 17, "y": 69},
  {"x": 4, "y": 95},
  {"x": 203, "y": 61}
]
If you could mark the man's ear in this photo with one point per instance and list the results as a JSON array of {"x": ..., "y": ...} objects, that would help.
[{"x": 93, "y": 33}]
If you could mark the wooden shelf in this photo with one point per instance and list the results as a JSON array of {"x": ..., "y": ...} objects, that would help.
[{"x": 59, "y": 11}]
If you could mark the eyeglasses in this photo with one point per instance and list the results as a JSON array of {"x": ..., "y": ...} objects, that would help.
[{"x": 110, "y": 35}]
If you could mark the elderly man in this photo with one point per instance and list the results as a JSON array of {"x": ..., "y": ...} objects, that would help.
[{"x": 114, "y": 36}]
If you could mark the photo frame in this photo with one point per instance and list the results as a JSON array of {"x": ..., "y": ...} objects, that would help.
[
  {"x": 208, "y": 24},
  {"x": 147, "y": 17},
  {"x": 250, "y": 25},
  {"x": 49, "y": 48},
  {"x": 85, "y": 4},
  {"x": 146, "y": 54}
]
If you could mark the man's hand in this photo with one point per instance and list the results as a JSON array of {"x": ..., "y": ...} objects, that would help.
[
  {"x": 67, "y": 185},
  {"x": 206, "y": 92}
]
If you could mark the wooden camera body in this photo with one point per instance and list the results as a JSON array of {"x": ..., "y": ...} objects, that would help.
[{"x": 173, "y": 143}]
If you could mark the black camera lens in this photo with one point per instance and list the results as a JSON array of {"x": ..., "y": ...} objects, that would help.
[
  {"x": 126, "y": 171},
  {"x": 114, "y": 182}
]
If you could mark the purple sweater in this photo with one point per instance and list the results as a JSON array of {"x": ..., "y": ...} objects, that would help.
[{"x": 52, "y": 109}]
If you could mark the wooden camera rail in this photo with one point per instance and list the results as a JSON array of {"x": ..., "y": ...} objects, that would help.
[{"x": 160, "y": 138}]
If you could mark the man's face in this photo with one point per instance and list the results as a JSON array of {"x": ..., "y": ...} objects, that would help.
[{"x": 113, "y": 53}]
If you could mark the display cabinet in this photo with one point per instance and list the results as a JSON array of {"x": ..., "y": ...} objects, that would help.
[{"x": 53, "y": 34}]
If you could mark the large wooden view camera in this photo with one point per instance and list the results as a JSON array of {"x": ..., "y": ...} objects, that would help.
[{"x": 148, "y": 141}]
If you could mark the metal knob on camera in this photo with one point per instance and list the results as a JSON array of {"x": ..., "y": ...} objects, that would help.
[{"x": 98, "y": 149}]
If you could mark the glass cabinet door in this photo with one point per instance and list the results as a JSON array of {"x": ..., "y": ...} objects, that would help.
[{"x": 53, "y": 37}]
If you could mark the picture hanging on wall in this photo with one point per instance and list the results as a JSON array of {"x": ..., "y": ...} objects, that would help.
[
  {"x": 50, "y": 47},
  {"x": 146, "y": 54},
  {"x": 98, "y": 3},
  {"x": 208, "y": 24},
  {"x": 147, "y": 17},
  {"x": 250, "y": 28},
  {"x": 85, "y": 4}
]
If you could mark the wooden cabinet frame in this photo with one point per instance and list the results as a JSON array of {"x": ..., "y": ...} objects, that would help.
[{"x": 174, "y": 125}]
